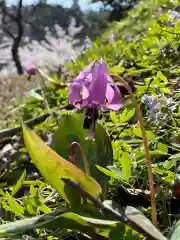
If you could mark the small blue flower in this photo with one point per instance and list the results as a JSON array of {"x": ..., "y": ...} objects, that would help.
[
  {"x": 174, "y": 14},
  {"x": 111, "y": 37},
  {"x": 149, "y": 101}
]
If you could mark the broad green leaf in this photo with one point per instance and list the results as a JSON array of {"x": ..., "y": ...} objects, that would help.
[
  {"x": 116, "y": 170},
  {"x": 176, "y": 231},
  {"x": 113, "y": 172},
  {"x": 19, "y": 183},
  {"x": 122, "y": 231},
  {"x": 53, "y": 167},
  {"x": 114, "y": 207},
  {"x": 97, "y": 152},
  {"x": 126, "y": 165},
  {"x": 62, "y": 220},
  {"x": 137, "y": 217}
]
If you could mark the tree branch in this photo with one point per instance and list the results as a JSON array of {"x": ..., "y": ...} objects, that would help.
[
  {"x": 8, "y": 33},
  {"x": 6, "y": 13}
]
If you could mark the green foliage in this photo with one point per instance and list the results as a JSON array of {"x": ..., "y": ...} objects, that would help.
[{"x": 145, "y": 52}]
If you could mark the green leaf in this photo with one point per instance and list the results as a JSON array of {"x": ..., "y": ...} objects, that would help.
[
  {"x": 126, "y": 165},
  {"x": 117, "y": 69},
  {"x": 110, "y": 173},
  {"x": 61, "y": 220},
  {"x": 175, "y": 156},
  {"x": 43, "y": 208},
  {"x": 89, "y": 221},
  {"x": 162, "y": 77},
  {"x": 50, "y": 79},
  {"x": 127, "y": 114},
  {"x": 165, "y": 90},
  {"x": 31, "y": 205},
  {"x": 97, "y": 152},
  {"x": 162, "y": 147},
  {"x": 144, "y": 223},
  {"x": 53, "y": 167},
  {"x": 138, "y": 72},
  {"x": 138, "y": 133},
  {"x": 113, "y": 117},
  {"x": 12, "y": 205},
  {"x": 176, "y": 231},
  {"x": 18, "y": 226},
  {"x": 19, "y": 183},
  {"x": 122, "y": 231},
  {"x": 35, "y": 95}
]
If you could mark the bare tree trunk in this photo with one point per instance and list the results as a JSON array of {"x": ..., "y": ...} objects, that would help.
[
  {"x": 17, "y": 40},
  {"x": 18, "y": 37}
]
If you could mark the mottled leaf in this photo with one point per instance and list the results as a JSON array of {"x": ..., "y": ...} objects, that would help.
[
  {"x": 97, "y": 152},
  {"x": 53, "y": 167}
]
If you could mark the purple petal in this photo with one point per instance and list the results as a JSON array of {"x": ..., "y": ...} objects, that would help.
[
  {"x": 77, "y": 90},
  {"x": 85, "y": 93},
  {"x": 109, "y": 93},
  {"x": 116, "y": 101},
  {"x": 98, "y": 85},
  {"x": 74, "y": 95},
  {"x": 85, "y": 72},
  {"x": 110, "y": 79}
]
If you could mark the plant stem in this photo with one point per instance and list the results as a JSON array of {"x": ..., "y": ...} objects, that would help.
[
  {"x": 72, "y": 154},
  {"x": 146, "y": 149}
]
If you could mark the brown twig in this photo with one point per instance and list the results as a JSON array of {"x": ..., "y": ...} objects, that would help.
[{"x": 148, "y": 157}]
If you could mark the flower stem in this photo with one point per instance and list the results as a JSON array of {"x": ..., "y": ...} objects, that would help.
[
  {"x": 73, "y": 156},
  {"x": 148, "y": 157}
]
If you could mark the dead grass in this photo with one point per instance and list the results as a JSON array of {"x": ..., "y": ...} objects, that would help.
[{"x": 13, "y": 87}]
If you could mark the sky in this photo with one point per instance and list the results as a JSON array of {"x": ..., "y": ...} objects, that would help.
[{"x": 66, "y": 3}]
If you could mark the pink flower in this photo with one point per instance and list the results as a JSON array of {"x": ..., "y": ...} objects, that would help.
[
  {"x": 31, "y": 70},
  {"x": 94, "y": 88}
]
